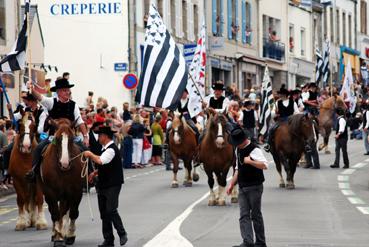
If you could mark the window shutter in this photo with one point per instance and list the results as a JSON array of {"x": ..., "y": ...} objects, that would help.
[
  {"x": 190, "y": 23},
  {"x": 179, "y": 18},
  {"x": 214, "y": 16},
  {"x": 229, "y": 19},
  {"x": 243, "y": 21},
  {"x": 236, "y": 18},
  {"x": 250, "y": 24},
  {"x": 221, "y": 17}
]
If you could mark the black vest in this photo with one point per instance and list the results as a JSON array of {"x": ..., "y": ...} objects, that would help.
[
  {"x": 95, "y": 146},
  {"x": 216, "y": 103},
  {"x": 248, "y": 175},
  {"x": 344, "y": 134},
  {"x": 249, "y": 119},
  {"x": 313, "y": 95},
  {"x": 286, "y": 111},
  {"x": 183, "y": 109},
  {"x": 63, "y": 110},
  {"x": 111, "y": 174}
]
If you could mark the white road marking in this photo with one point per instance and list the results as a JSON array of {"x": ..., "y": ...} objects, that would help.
[
  {"x": 364, "y": 210},
  {"x": 355, "y": 200},
  {"x": 348, "y": 192},
  {"x": 348, "y": 171},
  {"x": 342, "y": 178},
  {"x": 367, "y": 160},
  {"x": 360, "y": 165},
  {"x": 344, "y": 185}
]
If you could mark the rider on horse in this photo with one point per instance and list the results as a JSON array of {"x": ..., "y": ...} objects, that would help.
[
  {"x": 285, "y": 107},
  {"x": 217, "y": 101},
  {"x": 311, "y": 100},
  {"x": 58, "y": 107}
]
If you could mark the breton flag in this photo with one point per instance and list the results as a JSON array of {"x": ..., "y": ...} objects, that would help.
[
  {"x": 196, "y": 80},
  {"x": 346, "y": 91},
  {"x": 164, "y": 74},
  {"x": 326, "y": 71},
  {"x": 318, "y": 67},
  {"x": 266, "y": 103},
  {"x": 16, "y": 58}
]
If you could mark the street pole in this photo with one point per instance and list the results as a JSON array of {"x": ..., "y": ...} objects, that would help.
[{"x": 29, "y": 42}]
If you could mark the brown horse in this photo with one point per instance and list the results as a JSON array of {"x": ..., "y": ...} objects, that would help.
[
  {"x": 182, "y": 145},
  {"x": 326, "y": 115},
  {"x": 29, "y": 195},
  {"x": 289, "y": 143},
  {"x": 62, "y": 183},
  {"x": 216, "y": 153}
]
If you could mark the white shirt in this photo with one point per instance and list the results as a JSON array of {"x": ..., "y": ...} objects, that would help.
[
  {"x": 367, "y": 119},
  {"x": 342, "y": 125},
  {"x": 48, "y": 103},
  {"x": 107, "y": 155},
  {"x": 41, "y": 121},
  {"x": 256, "y": 155},
  {"x": 305, "y": 96}
]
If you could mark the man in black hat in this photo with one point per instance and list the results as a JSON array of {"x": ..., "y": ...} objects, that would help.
[
  {"x": 249, "y": 120},
  {"x": 311, "y": 100},
  {"x": 217, "y": 101},
  {"x": 109, "y": 183},
  {"x": 249, "y": 175},
  {"x": 58, "y": 107},
  {"x": 341, "y": 140}
]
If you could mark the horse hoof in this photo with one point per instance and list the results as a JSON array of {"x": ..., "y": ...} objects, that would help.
[
  {"x": 41, "y": 226},
  {"x": 234, "y": 200},
  {"x": 282, "y": 185},
  {"x": 70, "y": 240},
  {"x": 327, "y": 152},
  {"x": 195, "y": 177},
  {"x": 174, "y": 185},
  {"x": 52, "y": 238},
  {"x": 20, "y": 227},
  {"x": 187, "y": 184},
  {"x": 59, "y": 243},
  {"x": 221, "y": 203},
  {"x": 211, "y": 203}
]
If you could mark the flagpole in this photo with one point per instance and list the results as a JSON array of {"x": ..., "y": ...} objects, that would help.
[
  {"x": 7, "y": 101},
  {"x": 29, "y": 41},
  {"x": 193, "y": 82}
]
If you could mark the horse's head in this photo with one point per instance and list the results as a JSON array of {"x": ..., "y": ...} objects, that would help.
[
  {"x": 302, "y": 125},
  {"x": 217, "y": 125},
  {"x": 340, "y": 103},
  {"x": 178, "y": 129},
  {"x": 63, "y": 140},
  {"x": 27, "y": 132}
]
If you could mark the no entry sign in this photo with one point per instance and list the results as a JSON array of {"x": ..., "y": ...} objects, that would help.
[{"x": 130, "y": 81}]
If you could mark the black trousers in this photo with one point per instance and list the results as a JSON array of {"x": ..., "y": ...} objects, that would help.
[
  {"x": 108, "y": 200},
  {"x": 341, "y": 144},
  {"x": 6, "y": 155},
  {"x": 312, "y": 158}
]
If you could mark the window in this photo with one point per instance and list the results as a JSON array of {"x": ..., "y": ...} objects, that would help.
[
  {"x": 338, "y": 26},
  {"x": 234, "y": 25},
  {"x": 2, "y": 23},
  {"x": 303, "y": 42},
  {"x": 363, "y": 17},
  {"x": 291, "y": 38},
  {"x": 146, "y": 11},
  {"x": 196, "y": 21},
  {"x": 217, "y": 18},
  {"x": 173, "y": 16},
  {"x": 331, "y": 22},
  {"x": 344, "y": 28},
  {"x": 248, "y": 23},
  {"x": 184, "y": 19},
  {"x": 350, "y": 31}
]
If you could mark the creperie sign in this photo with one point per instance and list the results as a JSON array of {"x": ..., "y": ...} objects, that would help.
[{"x": 95, "y": 8}]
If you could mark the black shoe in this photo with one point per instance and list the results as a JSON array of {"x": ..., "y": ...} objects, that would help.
[
  {"x": 267, "y": 148},
  {"x": 30, "y": 176},
  {"x": 345, "y": 167},
  {"x": 123, "y": 240},
  {"x": 106, "y": 244},
  {"x": 334, "y": 166},
  {"x": 367, "y": 153},
  {"x": 315, "y": 167},
  {"x": 307, "y": 167},
  {"x": 168, "y": 169}
]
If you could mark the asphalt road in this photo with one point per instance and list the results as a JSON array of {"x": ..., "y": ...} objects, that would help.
[{"x": 329, "y": 207}]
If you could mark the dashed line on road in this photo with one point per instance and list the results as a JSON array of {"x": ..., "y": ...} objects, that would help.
[
  {"x": 144, "y": 173},
  {"x": 344, "y": 185}
]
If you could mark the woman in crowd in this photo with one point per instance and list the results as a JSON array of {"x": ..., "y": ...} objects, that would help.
[{"x": 158, "y": 139}]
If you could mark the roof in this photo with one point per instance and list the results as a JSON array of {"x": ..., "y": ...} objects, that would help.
[{"x": 33, "y": 12}]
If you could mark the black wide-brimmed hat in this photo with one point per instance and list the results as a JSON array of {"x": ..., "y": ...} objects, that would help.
[
  {"x": 312, "y": 84},
  {"x": 105, "y": 130},
  {"x": 283, "y": 91},
  {"x": 238, "y": 136},
  {"x": 218, "y": 86},
  {"x": 96, "y": 124},
  {"x": 29, "y": 96},
  {"x": 61, "y": 83}
]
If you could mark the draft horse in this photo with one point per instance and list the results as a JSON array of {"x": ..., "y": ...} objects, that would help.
[
  {"x": 29, "y": 195},
  {"x": 326, "y": 115},
  {"x": 289, "y": 143},
  {"x": 62, "y": 183},
  {"x": 182, "y": 145},
  {"x": 216, "y": 153}
]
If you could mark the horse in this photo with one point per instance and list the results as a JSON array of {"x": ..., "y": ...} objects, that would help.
[
  {"x": 289, "y": 143},
  {"x": 325, "y": 119},
  {"x": 182, "y": 145},
  {"x": 29, "y": 195},
  {"x": 61, "y": 169},
  {"x": 217, "y": 156}
]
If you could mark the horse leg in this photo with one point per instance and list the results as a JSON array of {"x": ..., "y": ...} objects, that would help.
[
  {"x": 175, "y": 171},
  {"x": 279, "y": 169},
  {"x": 55, "y": 217},
  {"x": 21, "y": 223},
  {"x": 326, "y": 140},
  {"x": 41, "y": 223},
  {"x": 288, "y": 168},
  {"x": 195, "y": 175},
  {"x": 222, "y": 183},
  {"x": 211, "y": 186},
  {"x": 70, "y": 236},
  {"x": 188, "y": 178}
]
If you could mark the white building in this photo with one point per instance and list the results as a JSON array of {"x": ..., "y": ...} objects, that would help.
[{"x": 87, "y": 38}]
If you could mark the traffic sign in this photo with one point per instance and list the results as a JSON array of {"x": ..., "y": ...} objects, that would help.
[
  {"x": 130, "y": 81},
  {"x": 120, "y": 67}
]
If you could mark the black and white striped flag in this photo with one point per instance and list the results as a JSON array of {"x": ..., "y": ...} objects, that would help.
[
  {"x": 164, "y": 73},
  {"x": 326, "y": 71},
  {"x": 318, "y": 66},
  {"x": 16, "y": 59},
  {"x": 266, "y": 103}
]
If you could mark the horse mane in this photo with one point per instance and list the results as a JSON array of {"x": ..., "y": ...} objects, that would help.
[{"x": 294, "y": 123}]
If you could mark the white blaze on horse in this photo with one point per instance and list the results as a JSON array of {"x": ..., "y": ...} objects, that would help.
[{"x": 29, "y": 195}]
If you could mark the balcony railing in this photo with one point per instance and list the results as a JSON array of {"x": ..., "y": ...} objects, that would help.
[{"x": 273, "y": 49}]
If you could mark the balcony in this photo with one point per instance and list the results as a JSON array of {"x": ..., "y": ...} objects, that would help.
[{"x": 273, "y": 49}]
